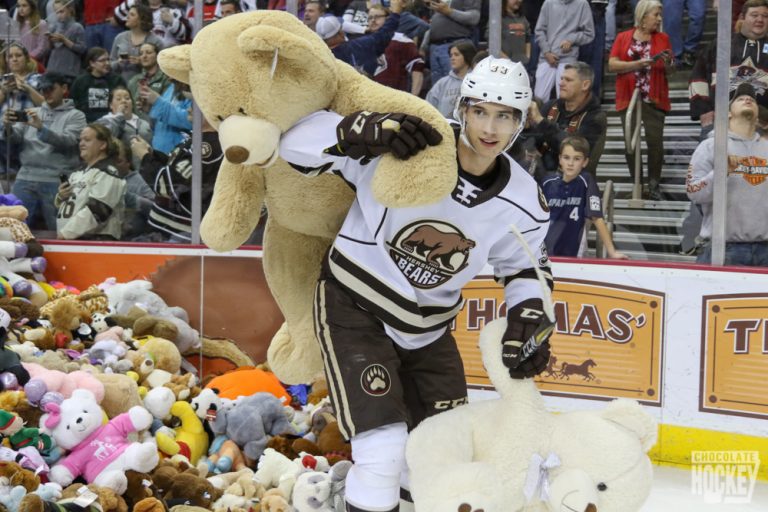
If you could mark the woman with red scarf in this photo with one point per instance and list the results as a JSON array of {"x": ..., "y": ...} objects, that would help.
[{"x": 641, "y": 57}]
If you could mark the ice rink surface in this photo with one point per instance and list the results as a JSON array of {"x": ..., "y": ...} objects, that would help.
[{"x": 672, "y": 493}]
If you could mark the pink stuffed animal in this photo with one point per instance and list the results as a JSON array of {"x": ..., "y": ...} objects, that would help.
[
  {"x": 66, "y": 383},
  {"x": 100, "y": 452}
]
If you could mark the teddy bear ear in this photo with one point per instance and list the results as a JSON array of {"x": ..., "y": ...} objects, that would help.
[
  {"x": 176, "y": 62},
  {"x": 256, "y": 42},
  {"x": 83, "y": 394},
  {"x": 630, "y": 414}
]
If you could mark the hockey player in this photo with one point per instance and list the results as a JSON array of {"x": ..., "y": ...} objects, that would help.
[{"x": 391, "y": 282}]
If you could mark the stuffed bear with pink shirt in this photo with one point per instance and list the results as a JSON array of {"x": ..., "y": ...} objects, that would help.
[{"x": 98, "y": 450}]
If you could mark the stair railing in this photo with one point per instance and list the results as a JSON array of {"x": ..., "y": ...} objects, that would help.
[
  {"x": 608, "y": 197},
  {"x": 632, "y": 143}
]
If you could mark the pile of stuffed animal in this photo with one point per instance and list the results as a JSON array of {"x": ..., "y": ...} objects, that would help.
[{"x": 98, "y": 411}]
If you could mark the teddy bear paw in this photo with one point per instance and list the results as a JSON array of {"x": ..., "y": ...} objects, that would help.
[{"x": 285, "y": 350}]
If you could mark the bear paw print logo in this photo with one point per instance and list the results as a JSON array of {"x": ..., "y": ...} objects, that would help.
[
  {"x": 466, "y": 507},
  {"x": 375, "y": 380}
]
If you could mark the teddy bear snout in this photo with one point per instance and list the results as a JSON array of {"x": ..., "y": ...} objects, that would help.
[
  {"x": 237, "y": 154},
  {"x": 573, "y": 490},
  {"x": 249, "y": 141}
]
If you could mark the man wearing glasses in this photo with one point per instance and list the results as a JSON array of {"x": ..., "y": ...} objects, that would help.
[{"x": 400, "y": 67}]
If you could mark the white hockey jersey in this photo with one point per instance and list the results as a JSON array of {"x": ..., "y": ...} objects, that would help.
[
  {"x": 407, "y": 266},
  {"x": 96, "y": 205}
]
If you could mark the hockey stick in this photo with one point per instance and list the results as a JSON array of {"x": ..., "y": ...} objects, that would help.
[{"x": 547, "y": 325}]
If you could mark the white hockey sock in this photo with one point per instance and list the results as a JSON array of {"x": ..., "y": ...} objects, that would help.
[{"x": 373, "y": 483}]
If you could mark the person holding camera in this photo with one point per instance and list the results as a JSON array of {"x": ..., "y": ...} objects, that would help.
[
  {"x": 18, "y": 91},
  {"x": 48, "y": 138},
  {"x": 67, "y": 39},
  {"x": 641, "y": 57},
  {"x": 168, "y": 21},
  {"x": 91, "y": 201},
  {"x": 33, "y": 29},
  {"x": 20, "y": 80},
  {"x": 124, "y": 124},
  {"x": 125, "y": 50},
  {"x": 151, "y": 76}
]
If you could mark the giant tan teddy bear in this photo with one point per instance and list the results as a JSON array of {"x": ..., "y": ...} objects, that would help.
[{"x": 254, "y": 75}]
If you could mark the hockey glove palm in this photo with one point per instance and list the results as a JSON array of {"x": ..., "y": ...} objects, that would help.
[
  {"x": 370, "y": 134},
  {"x": 524, "y": 321}
]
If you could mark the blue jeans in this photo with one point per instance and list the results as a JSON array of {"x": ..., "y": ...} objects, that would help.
[
  {"x": 101, "y": 35},
  {"x": 673, "y": 24},
  {"x": 38, "y": 198},
  {"x": 534, "y": 60},
  {"x": 439, "y": 61},
  {"x": 592, "y": 53},
  {"x": 610, "y": 24},
  {"x": 750, "y": 254}
]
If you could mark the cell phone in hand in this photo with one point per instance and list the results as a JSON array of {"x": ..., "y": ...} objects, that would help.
[
  {"x": 660, "y": 55},
  {"x": 20, "y": 116},
  {"x": 63, "y": 178}
]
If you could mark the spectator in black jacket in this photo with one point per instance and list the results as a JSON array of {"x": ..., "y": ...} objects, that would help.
[
  {"x": 749, "y": 58},
  {"x": 171, "y": 180},
  {"x": 576, "y": 112}
]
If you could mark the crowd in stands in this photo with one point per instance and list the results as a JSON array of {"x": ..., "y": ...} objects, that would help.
[{"x": 96, "y": 138}]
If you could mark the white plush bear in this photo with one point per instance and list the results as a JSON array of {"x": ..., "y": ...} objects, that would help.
[
  {"x": 99, "y": 451},
  {"x": 123, "y": 296},
  {"x": 320, "y": 491},
  {"x": 511, "y": 454}
]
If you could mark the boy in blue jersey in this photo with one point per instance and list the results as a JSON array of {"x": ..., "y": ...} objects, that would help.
[{"x": 573, "y": 197}]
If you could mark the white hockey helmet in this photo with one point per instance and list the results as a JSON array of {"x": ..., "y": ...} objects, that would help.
[{"x": 496, "y": 80}]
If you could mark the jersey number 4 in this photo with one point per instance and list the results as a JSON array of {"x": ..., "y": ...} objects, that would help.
[{"x": 574, "y": 213}]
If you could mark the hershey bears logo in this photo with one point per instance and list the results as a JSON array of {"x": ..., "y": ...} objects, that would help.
[{"x": 430, "y": 252}]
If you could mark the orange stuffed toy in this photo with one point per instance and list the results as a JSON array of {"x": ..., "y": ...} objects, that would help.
[{"x": 246, "y": 381}]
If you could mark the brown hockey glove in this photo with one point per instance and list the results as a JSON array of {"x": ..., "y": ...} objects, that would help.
[
  {"x": 371, "y": 134},
  {"x": 526, "y": 322}
]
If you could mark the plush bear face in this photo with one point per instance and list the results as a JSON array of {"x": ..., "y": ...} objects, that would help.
[
  {"x": 282, "y": 57},
  {"x": 312, "y": 491},
  {"x": 123, "y": 296},
  {"x": 616, "y": 474},
  {"x": 78, "y": 417}
]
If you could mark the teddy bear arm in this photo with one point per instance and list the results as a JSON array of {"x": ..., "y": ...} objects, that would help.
[
  {"x": 61, "y": 475},
  {"x": 140, "y": 418},
  {"x": 292, "y": 265},
  {"x": 237, "y": 199},
  {"x": 428, "y": 176}
]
